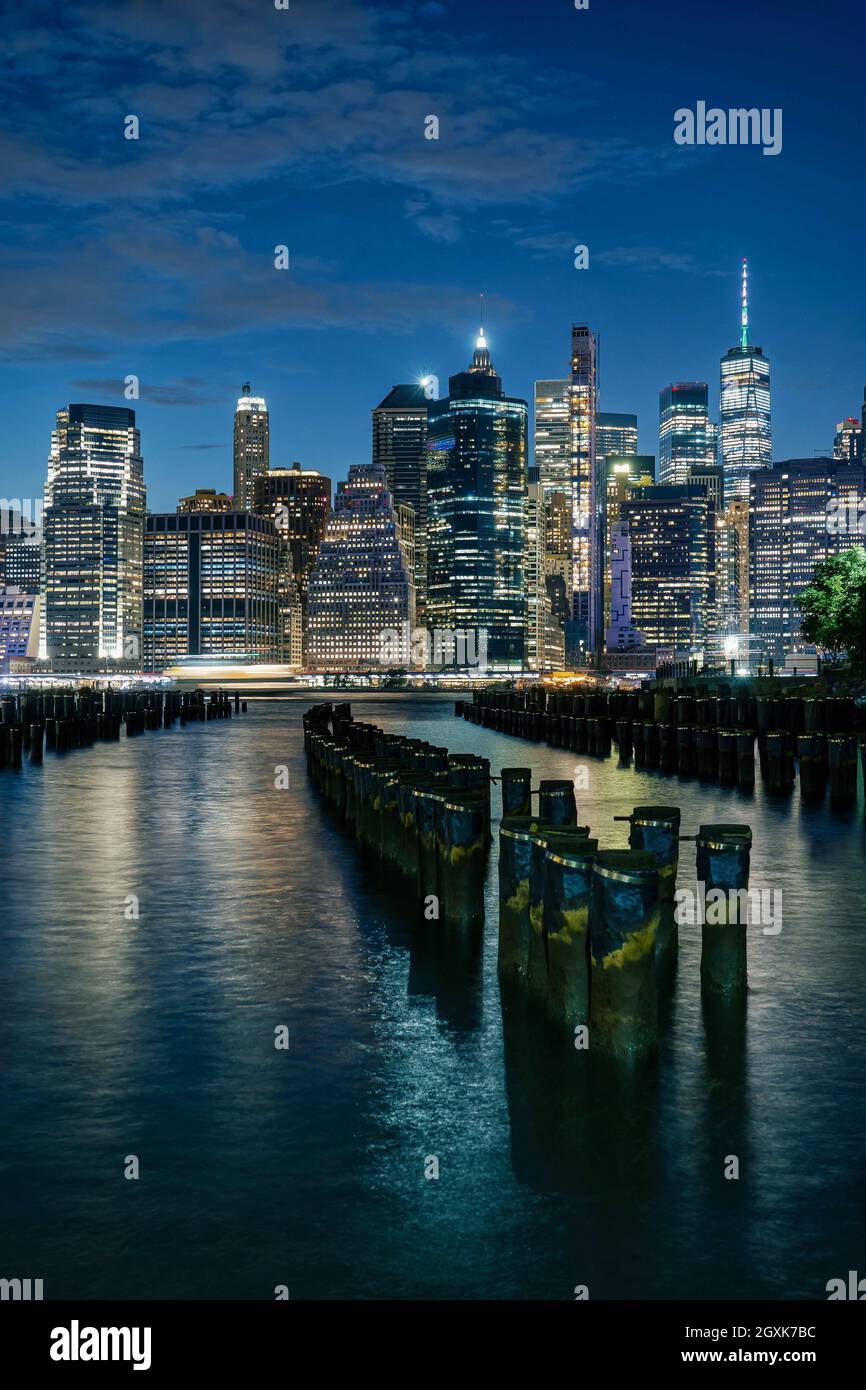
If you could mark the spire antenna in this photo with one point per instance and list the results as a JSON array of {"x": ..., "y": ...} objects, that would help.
[{"x": 744, "y": 317}]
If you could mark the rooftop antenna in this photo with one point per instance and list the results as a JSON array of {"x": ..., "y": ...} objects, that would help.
[{"x": 744, "y": 318}]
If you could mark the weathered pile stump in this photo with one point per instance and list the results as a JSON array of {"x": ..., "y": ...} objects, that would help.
[
  {"x": 515, "y": 862},
  {"x": 516, "y": 785},
  {"x": 623, "y": 922},
  {"x": 543, "y": 840},
  {"x": 567, "y": 900},
  {"x": 461, "y": 845},
  {"x": 842, "y": 768},
  {"x": 656, "y": 829},
  {"x": 556, "y": 803},
  {"x": 723, "y": 856}
]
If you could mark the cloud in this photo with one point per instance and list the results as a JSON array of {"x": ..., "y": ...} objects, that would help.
[
  {"x": 166, "y": 283},
  {"x": 189, "y": 391}
]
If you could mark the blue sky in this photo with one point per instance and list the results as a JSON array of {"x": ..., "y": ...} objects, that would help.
[{"x": 305, "y": 127}]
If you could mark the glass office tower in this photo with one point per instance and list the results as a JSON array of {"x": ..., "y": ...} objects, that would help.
[
  {"x": 476, "y": 491},
  {"x": 360, "y": 590},
  {"x": 800, "y": 512},
  {"x": 671, "y": 532},
  {"x": 744, "y": 412},
  {"x": 400, "y": 447},
  {"x": 93, "y": 527},
  {"x": 687, "y": 436},
  {"x": 211, "y": 587}
]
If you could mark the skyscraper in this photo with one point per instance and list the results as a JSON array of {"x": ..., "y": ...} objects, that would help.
[
  {"x": 621, "y": 473},
  {"x": 476, "y": 490},
  {"x": 732, "y": 582},
  {"x": 360, "y": 590},
  {"x": 615, "y": 434},
  {"x": 584, "y": 634},
  {"x": 93, "y": 528},
  {"x": 552, "y": 441},
  {"x": 687, "y": 436},
  {"x": 210, "y": 587},
  {"x": 744, "y": 411},
  {"x": 298, "y": 501},
  {"x": 251, "y": 446},
  {"x": 800, "y": 512},
  {"x": 400, "y": 447},
  {"x": 848, "y": 440},
  {"x": 671, "y": 531},
  {"x": 545, "y": 645}
]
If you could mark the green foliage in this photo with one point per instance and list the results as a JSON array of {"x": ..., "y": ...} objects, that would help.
[{"x": 834, "y": 606}]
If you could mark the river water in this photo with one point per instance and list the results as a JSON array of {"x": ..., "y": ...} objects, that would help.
[{"x": 153, "y": 1037}]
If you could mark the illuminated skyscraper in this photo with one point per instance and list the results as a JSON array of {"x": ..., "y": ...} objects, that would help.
[
  {"x": 671, "y": 531},
  {"x": 360, "y": 588},
  {"x": 800, "y": 512},
  {"x": 93, "y": 528},
  {"x": 298, "y": 501},
  {"x": 615, "y": 434},
  {"x": 848, "y": 441},
  {"x": 584, "y": 632},
  {"x": 621, "y": 472},
  {"x": 400, "y": 447},
  {"x": 251, "y": 446},
  {"x": 476, "y": 491},
  {"x": 210, "y": 587},
  {"x": 687, "y": 436},
  {"x": 545, "y": 643},
  {"x": 745, "y": 432},
  {"x": 732, "y": 583},
  {"x": 553, "y": 435}
]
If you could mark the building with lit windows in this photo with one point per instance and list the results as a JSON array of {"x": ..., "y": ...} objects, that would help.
[
  {"x": 400, "y": 447},
  {"x": 614, "y": 434},
  {"x": 360, "y": 589},
  {"x": 584, "y": 632},
  {"x": 621, "y": 473},
  {"x": 732, "y": 583},
  {"x": 20, "y": 547},
  {"x": 206, "y": 499},
  {"x": 476, "y": 491},
  {"x": 19, "y": 629},
  {"x": 745, "y": 437},
  {"x": 251, "y": 446},
  {"x": 211, "y": 588},
  {"x": 687, "y": 436},
  {"x": 298, "y": 501},
  {"x": 671, "y": 534},
  {"x": 848, "y": 441},
  {"x": 801, "y": 511},
  {"x": 552, "y": 435},
  {"x": 93, "y": 530},
  {"x": 545, "y": 639}
]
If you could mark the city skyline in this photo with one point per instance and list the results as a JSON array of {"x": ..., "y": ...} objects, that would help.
[{"x": 168, "y": 274}]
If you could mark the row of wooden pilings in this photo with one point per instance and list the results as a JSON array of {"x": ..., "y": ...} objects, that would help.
[
  {"x": 712, "y": 738},
  {"x": 60, "y": 721},
  {"x": 581, "y": 928},
  {"x": 424, "y": 810}
]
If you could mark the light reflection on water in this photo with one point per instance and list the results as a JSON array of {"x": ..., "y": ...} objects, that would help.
[{"x": 306, "y": 1167}]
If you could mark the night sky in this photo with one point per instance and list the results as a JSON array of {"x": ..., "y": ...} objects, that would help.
[{"x": 305, "y": 127}]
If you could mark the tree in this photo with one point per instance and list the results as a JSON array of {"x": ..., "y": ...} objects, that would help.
[{"x": 833, "y": 607}]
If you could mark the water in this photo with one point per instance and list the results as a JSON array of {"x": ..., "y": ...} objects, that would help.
[{"x": 155, "y": 1038}]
